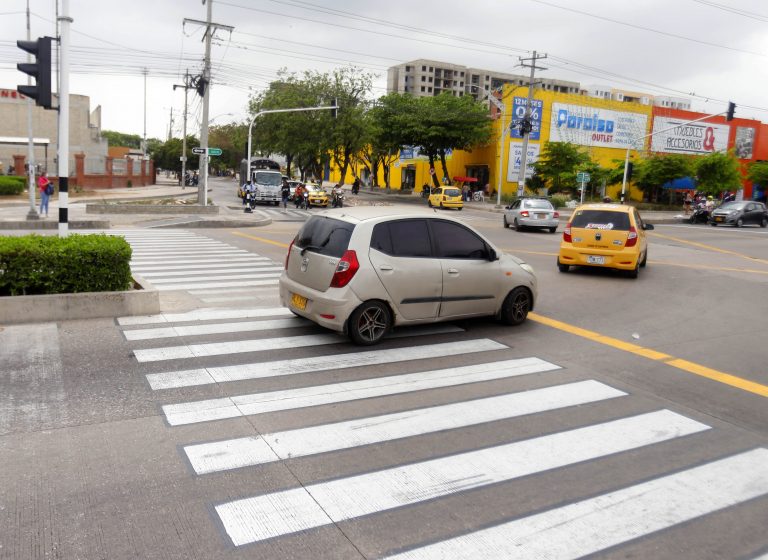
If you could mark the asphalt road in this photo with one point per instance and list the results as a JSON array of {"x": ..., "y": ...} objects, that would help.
[{"x": 625, "y": 419}]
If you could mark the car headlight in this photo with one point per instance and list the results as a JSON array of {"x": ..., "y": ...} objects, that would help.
[{"x": 528, "y": 268}]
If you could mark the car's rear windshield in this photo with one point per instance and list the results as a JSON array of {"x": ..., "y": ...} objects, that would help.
[
  {"x": 600, "y": 219},
  {"x": 325, "y": 236},
  {"x": 451, "y": 192},
  {"x": 538, "y": 204},
  {"x": 273, "y": 179}
]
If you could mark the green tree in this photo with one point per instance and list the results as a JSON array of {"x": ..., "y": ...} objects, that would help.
[
  {"x": 167, "y": 155},
  {"x": 757, "y": 172},
  {"x": 652, "y": 173},
  {"x": 122, "y": 139},
  {"x": 718, "y": 172},
  {"x": 392, "y": 125},
  {"x": 231, "y": 138},
  {"x": 558, "y": 164}
]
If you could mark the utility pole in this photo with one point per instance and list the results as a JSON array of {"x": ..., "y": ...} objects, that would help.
[
  {"x": 144, "y": 142},
  {"x": 187, "y": 86},
  {"x": 32, "y": 214},
  {"x": 63, "y": 151},
  {"x": 205, "y": 84},
  {"x": 170, "y": 124},
  {"x": 525, "y": 126}
]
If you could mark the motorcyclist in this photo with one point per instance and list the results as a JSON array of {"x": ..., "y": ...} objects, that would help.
[
  {"x": 336, "y": 195},
  {"x": 298, "y": 195},
  {"x": 285, "y": 193}
]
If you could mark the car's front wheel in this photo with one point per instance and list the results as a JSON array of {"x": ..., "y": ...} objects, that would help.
[
  {"x": 506, "y": 223},
  {"x": 517, "y": 225},
  {"x": 764, "y": 222},
  {"x": 369, "y": 323},
  {"x": 516, "y": 306},
  {"x": 553, "y": 229}
]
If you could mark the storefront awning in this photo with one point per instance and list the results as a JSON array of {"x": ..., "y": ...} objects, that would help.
[{"x": 466, "y": 179}]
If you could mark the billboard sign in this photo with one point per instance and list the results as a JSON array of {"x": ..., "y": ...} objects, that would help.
[
  {"x": 691, "y": 138},
  {"x": 595, "y": 126},
  {"x": 515, "y": 160},
  {"x": 518, "y": 113},
  {"x": 745, "y": 140}
]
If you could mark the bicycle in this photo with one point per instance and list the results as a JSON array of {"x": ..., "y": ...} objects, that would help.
[{"x": 478, "y": 196}]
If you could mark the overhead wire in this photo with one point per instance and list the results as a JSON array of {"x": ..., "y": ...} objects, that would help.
[{"x": 734, "y": 10}]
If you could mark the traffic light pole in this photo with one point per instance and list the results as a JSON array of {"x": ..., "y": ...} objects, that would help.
[
  {"x": 63, "y": 148},
  {"x": 526, "y": 131},
  {"x": 32, "y": 214},
  {"x": 729, "y": 113}
]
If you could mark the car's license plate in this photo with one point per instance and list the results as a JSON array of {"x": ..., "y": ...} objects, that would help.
[
  {"x": 541, "y": 216},
  {"x": 718, "y": 218},
  {"x": 592, "y": 259},
  {"x": 299, "y": 302}
]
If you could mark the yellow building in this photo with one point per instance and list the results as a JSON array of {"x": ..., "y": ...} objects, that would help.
[{"x": 604, "y": 128}]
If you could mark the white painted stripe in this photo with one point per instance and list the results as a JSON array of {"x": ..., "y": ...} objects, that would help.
[
  {"x": 254, "y": 263},
  {"x": 202, "y": 260},
  {"x": 281, "y": 513},
  {"x": 215, "y": 328},
  {"x": 224, "y": 455},
  {"x": 255, "y": 290},
  {"x": 232, "y": 284},
  {"x": 247, "y": 296},
  {"x": 280, "y": 343},
  {"x": 595, "y": 524},
  {"x": 254, "y": 275},
  {"x": 192, "y": 274},
  {"x": 290, "y": 399},
  {"x": 171, "y": 252},
  {"x": 260, "y": 370},
  {"x": 214, "y": 314}
]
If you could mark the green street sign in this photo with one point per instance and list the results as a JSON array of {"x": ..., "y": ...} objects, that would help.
[
  {"x": 214, "y": 151},
  {"x": 583, "y": 177}
]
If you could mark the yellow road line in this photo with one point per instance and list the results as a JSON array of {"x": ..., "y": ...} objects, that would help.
[
  {"x": 684, "y": 365},
  {"x": 262, "y": 239},
  {"x": 709, "y": 247}
]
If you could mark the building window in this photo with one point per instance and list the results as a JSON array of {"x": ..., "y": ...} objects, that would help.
[
  {"x": 487, "y": 78},
  {"x": 462, "y": 74},
  {"x": 430, "y": 79},
  {"x": 429, "y": 90},
  {"x": 422, "y": 88},
  {"x": 431, "y": 69},
  {"x": 423, "y": 68},
  {"x": 423, "y": 78},
  {"x": 461, "y": 84},
  {"x": 407, "y": 68}
]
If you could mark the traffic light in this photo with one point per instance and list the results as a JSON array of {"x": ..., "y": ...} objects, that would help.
[
  {"x": 525, "y": 126},
  {"x": 40, "y": 71},
  {"x": 731, "y": 111},
  {"x": 200, "y": 84},
  {"x": 335, "y": 110}
]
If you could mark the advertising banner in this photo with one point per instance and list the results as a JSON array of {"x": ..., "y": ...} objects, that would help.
[
  {"x": 693, "y": 138},
  {"x": 515, "y": 160},
  {"x": 595, "y": 126},
  {"x": 518, "y": 113},
  {"x": 745, "y": 140}
]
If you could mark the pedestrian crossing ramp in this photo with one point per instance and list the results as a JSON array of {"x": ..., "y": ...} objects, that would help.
[{"x": 496, "y": 456}]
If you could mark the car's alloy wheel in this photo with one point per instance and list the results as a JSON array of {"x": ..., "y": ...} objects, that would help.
[
  {"x": 739, "y": 222},
  {"x": 553, "y": 229},
  {"x": 506, "y": 223},
  {"x": 516, "y": 306},
  {"x": 369, "y": 323},
  {"x": 764, "y": 222},
  {"x": 517, "y": 225}
]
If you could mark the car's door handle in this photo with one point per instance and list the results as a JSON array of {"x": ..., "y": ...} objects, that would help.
[
  {"x": 385, "y": 267},
  {"x": 453, "y": 271}
]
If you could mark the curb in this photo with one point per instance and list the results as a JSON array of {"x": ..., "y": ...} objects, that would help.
[
  {"x": 149, "y": 209},
  {"x": 43, "y": 224},
  {"x": 85, "y": 305},
  {"x": 218, "y": 224}
]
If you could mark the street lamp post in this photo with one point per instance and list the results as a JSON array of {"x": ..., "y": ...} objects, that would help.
[{"x": 270, "y": 111}]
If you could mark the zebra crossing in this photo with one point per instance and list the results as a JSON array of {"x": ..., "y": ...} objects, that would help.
[
  {"x": 398, "y": 373},
  {"x": 211, "y": 270}
]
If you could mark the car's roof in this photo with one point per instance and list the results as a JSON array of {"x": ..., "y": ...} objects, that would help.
[
  {"x": 605, "y": 207},
  {"x": 359, "y": 214}
]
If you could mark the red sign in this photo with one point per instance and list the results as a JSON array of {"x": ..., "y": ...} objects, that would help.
[{"x": 10, "y": 94}]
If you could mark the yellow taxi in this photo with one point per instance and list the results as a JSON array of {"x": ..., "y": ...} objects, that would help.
[
  {"x": 445, "y": 197},
  {"x": 317, "y": 196},
  {"x": 605, "y": 235}
]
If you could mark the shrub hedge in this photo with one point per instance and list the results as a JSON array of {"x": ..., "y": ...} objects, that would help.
[
  {"x": 10, "y": 185},
  {"x": 35, "y": 264}
]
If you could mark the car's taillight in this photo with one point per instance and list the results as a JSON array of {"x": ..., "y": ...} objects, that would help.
[
  {"x": 631, "y": 237},
  {"x": 524, "y": 213},
  {"x": 556, "y": 215},
  {"x": 288, "y": 256},
  {"x": 567, "y": 233},
  {"x": 345, "y": 270}
]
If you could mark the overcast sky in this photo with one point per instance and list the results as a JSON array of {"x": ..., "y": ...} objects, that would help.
[{"x": 715, "y": 49}]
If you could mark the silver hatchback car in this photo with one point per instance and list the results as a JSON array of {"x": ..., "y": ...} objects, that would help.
[
  {"x": 366, "y": 269},
  {"x": 532, "y": 212}
]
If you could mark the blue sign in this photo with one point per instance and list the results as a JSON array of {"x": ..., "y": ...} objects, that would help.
[
  {"x": 406, "y": 152},
  {"x": 518, "y": 113},
  {"x": 580, "y": 122}
]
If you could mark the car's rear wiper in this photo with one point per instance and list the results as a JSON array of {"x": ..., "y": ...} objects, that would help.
[{"x": 310, "y": 248}]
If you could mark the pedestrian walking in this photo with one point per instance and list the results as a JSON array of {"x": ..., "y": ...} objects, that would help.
[
  {"x": 687, "y": 203},
  {"x": 45, "y": 187},
  {"x": 285, "y": 192}
]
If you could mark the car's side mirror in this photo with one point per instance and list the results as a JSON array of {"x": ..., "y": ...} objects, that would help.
[
  {"x": 508, "y": 207},
  {"x": 492, "y": 256},
  {"x": 648, "y": 226}
]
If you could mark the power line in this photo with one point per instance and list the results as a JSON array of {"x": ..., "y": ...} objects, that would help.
[
  {"x": 733, "y": 10},
  {"x": 649, "y": 29}
]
